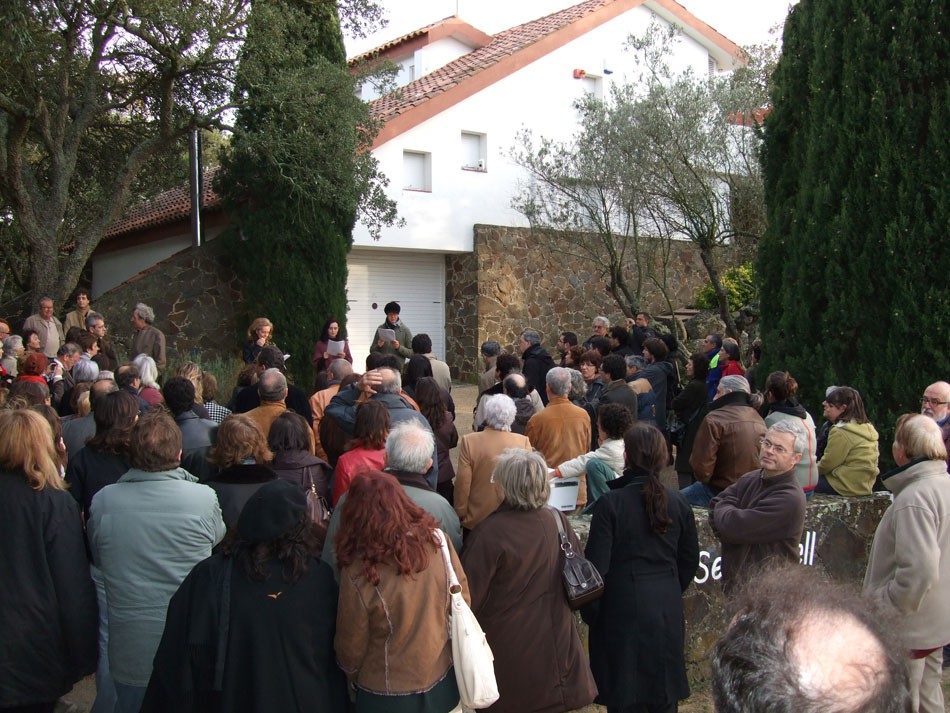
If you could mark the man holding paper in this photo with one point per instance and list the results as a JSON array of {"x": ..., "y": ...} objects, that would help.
[{"x": 392, "y": 336}]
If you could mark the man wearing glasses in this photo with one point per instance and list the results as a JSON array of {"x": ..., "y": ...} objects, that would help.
[
  {"x": 762, "y": 515},
  {"x": 936, "y": 404},
  {"x": 601, "y": 325}
]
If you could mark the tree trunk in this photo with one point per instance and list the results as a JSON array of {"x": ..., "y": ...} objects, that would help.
[
  {"x": 617, "y": 287},
  {"x": 722, "y": 297},
  {"x": 45, "y": 270}
]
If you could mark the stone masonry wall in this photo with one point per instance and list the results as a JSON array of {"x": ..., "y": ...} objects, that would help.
[
  {"x": 836, "y": 542},
  {"x": 511, "y": 282},
  {"x": 197, "y": 301}
]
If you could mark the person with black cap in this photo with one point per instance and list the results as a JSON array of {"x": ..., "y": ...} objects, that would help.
[
  {"x": 251, "y": 628},
  {"x": 401, "y": 343}
]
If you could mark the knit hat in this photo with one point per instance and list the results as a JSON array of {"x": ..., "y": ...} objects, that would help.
[{"x": 274, "y": 509}]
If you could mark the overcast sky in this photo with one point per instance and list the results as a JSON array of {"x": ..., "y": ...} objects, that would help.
[{"x": 745, "y": 22}]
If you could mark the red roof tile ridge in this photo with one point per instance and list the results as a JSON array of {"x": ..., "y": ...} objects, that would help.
[{"x": 503, "y": 44}]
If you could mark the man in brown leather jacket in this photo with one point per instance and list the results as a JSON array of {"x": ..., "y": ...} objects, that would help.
[{"x": 727, "y": 442}]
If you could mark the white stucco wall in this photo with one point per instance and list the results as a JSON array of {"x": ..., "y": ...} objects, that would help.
[
  {"x": 538, "y": 97},
  {"x": 110, "y": 269}
]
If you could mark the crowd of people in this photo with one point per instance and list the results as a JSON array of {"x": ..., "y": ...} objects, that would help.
[{"x": 283, "y": 551}]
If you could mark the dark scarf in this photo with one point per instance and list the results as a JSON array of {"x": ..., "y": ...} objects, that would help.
[
  {"x": 790, "y": 407},
  {"x": 733, "y": 398},
  {"x": 411, "y": 480}
]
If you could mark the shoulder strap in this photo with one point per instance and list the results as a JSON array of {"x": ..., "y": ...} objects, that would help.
[
  {"x": 453, "y": 580},
  {"x": 566, "y": 546}
]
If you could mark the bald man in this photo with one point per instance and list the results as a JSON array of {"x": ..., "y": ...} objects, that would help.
[{"x": 936, "y": 404}]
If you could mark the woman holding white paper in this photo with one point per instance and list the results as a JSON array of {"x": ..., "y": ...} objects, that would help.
[{"x": 333, "y": 345}]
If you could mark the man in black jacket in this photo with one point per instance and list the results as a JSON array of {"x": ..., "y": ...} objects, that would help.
[{"x": 537, "y": 362}]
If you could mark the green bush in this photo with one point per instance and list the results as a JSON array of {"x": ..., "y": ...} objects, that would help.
[{"x": 739, "y": 283}]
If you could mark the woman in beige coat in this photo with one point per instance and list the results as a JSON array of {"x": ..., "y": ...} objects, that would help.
[{"x": 476, "y": 495}]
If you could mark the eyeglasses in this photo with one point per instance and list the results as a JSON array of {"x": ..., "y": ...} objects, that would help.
[
  {"x": 927, "y": 401},
  {"x": 768, "y": 445}
]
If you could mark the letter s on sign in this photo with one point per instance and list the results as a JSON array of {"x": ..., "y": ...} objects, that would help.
[{"x": 703, "y": 568}]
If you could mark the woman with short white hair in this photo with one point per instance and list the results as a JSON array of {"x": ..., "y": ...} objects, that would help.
[
  {"x": 500, "y": 412},
  {"x": 476, "y": 496}
]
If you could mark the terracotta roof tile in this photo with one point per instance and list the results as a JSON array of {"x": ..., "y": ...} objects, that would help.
[
  {"x": 502, "y": 45},
  {"x": 167, "y": 207}
]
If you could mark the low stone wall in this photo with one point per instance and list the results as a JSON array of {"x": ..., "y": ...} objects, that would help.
[
  {"x": 512, "y": 282},
  {"x": 837, "y": 542},
  {"x": 197, "y": 301}
]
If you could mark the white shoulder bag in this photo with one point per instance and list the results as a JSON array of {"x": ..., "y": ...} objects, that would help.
[{"x": 473, "y": 659}]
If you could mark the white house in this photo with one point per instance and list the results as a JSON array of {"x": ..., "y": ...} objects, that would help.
[
  {"x": 445, "y": 146},
  {"x": 448, "y": 135}
]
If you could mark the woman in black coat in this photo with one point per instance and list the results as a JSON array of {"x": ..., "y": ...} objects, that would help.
[
  {"x": 690, "y": 406},
  {"x": 643, "y": 541},
  {"x": 251, "y": 628},
  {"x": 48, "y": 616}
]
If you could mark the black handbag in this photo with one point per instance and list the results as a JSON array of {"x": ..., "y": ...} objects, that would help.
[{"x": 582, "y": 582}]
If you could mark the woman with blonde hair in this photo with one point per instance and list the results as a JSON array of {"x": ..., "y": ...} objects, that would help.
[
  {"x": 259, "y": 335},
  {"x": 242, "y": 455},
  {"x": 47, "y": 603},
  {"x": 191, "y": 371},
  {"x": 392, "y": 636},
  {"x": 514, "y": 564}
]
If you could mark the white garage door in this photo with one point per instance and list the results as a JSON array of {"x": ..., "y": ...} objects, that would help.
[{"x": 415, "y": 280}]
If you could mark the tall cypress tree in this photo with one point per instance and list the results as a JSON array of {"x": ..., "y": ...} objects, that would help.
[
  {"x": 853, "y": 266},
  {"x": 297, "y": 171}
]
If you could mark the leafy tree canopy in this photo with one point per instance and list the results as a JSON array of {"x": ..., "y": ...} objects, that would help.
[
  {"x": 668, "y": 156},
  {"x": 91, "y": 93},
  {"x": 298, "y": 171}
]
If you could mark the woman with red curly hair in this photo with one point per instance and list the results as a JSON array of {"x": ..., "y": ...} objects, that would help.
[{"x": 392, "y": 637}]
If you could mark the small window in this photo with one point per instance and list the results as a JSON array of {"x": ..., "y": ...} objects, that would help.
[
  {"x": 417, "y": 171},
  {"x": 593, "y": 85},
  {"x": 713, "y": 66},
  {"x": 474, "y": 152}
]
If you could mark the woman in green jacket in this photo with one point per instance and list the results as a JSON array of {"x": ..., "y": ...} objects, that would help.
[{"x": 849, "y": 464}]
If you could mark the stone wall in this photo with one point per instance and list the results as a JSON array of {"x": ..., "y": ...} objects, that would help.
[
  {"x": 511, "y": 282},
  {"x": 836, "y": 542},
  {"x": 197, "y": 301}
]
